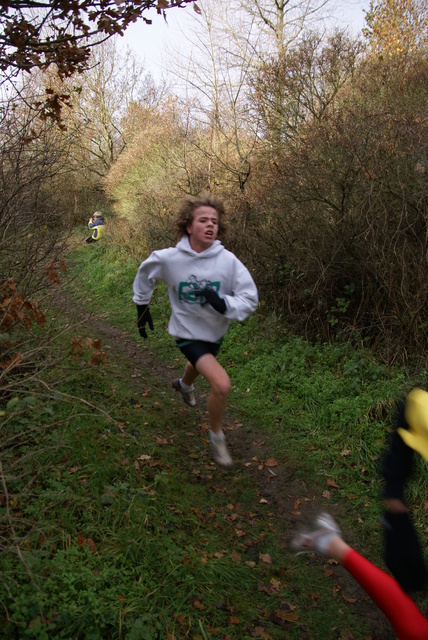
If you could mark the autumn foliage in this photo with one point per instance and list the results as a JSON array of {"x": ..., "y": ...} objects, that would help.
[
  {"x": 332, "y": 214},
  {"x": 63, "y": 32}
]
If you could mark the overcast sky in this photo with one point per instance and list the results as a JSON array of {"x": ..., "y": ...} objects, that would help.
[{"x": 149, "y": 41}]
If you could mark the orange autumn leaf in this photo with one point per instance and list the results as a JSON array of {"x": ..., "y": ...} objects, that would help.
[
  {"x": 284, "y": 615},
  {"x": 349, "y": 600},
  {"x": 275, "y": 584},
  {"x": 81, "y": 540},
  {"x": 41, "y": 541},
  {"x": 265, "y": 557},
  {"x": 259, "y": 632},
  {"x": 271, "y": 462},
  {"x": 332, "y": 483},
  {"x": 236, "y": 557},
  {"x": 91, "y": 545}
]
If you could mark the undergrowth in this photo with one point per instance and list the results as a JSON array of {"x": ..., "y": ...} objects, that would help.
[{"x": 115, "y": 523}]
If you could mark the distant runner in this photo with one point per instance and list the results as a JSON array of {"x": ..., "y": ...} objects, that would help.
[{"x": 96, "y": 223}]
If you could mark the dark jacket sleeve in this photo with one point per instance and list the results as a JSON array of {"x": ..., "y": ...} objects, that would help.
[
  {"x": 398, "y": 463},
  {"x": 96, "y": 223}
]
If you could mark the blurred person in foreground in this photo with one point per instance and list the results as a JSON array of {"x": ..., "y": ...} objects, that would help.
[{"x": 403, "y": 554}]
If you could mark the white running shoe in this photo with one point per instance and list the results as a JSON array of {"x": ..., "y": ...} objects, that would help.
[
  {"x": 219, "y": 450},
  {"x": 188, "y": 396},
  {"x": 317, "y": 536}
]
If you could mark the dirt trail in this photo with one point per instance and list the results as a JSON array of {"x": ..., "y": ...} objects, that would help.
[{"x": 295, "y": 502}]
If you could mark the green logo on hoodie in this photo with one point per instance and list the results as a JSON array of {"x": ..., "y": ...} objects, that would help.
[{"x": 186, "y": 290}]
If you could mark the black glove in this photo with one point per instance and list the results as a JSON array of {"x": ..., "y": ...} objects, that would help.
[
  {"x": 212, "y": 298},
  {"x": 143, "y": 317},
  {"x": 403, "y": 553}
]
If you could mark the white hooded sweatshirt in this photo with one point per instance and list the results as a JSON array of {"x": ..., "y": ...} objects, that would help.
[{"x": 186, "y": 271}]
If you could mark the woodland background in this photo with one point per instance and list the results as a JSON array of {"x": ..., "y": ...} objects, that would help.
[{"x": 316, "y": 140}]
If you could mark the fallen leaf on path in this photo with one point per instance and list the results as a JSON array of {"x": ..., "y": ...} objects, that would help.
[
  {"x": 332, "y": 483},
  {"x": 236, "y": 557},
  {"x": 350, "y": 600},
  {"x": 298, "y": 502},
  {"x": 81, "y": 540},
  {"x": 265, "y": 557},
  {"x": 275, "y": 584},
  {"x": 259, "y": 632},
  {"x": 281, "y": 615},
  {"x": 271, "y": 462},
  {"x": 41, "y": 541}
]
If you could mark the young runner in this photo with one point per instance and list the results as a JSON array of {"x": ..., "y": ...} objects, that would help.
[{"x": 208, "y": 287}]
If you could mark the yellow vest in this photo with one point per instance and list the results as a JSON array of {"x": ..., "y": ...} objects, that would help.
[{"x": 98, "y": 232}]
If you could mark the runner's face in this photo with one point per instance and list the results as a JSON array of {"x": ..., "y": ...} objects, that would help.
[{"x": 204, "y": 228}]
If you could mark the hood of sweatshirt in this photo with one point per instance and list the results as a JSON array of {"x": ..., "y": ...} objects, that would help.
[{"x": 184, "y": 246}]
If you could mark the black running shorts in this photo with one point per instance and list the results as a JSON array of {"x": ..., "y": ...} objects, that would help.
[{"x": 194, "y": 349}]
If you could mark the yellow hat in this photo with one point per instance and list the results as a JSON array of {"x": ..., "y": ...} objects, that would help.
[{"x": 416, "y": 414}]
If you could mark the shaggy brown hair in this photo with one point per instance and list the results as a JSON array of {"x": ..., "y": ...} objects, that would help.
[{"x": 188, "y": 207}]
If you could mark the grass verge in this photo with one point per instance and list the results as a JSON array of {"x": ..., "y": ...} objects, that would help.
[{"x": 115, "y": 521}]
